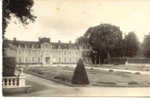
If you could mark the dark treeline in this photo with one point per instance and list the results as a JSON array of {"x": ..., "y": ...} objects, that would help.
[{"x": 106, "y": 41}]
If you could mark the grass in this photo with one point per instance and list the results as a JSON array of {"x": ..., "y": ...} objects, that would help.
[
  {"x": 64, "y": 77},
  {"x": 96, "y": 77},
  {"x": 137, "y": 67}
]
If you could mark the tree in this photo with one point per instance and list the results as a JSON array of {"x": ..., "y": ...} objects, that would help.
[
  {"x": 131, "y": 44},
  {"x": 80, "y": 75},
  {"x": 20, "y": 8},
  {"x": 118, "y": 50},
  {"x": 83, "y": 41},
  {"x": 103, "y": 39},
  {"x": 146, "y": 46}
]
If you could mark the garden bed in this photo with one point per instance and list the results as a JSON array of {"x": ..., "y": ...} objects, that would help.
[{"x": 96, "y": 77}]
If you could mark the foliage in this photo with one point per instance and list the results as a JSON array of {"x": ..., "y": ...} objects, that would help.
[
  {"x": 104, "y": 38},
  {"x": 131, "y": 44},
  {"x": 146, "y": 46},
  {"x": 118, "y": 50},
  {"x": 9, "y": 65},
  {"x": 20, "y": 8},
  {"x": 80, "y": 74}
]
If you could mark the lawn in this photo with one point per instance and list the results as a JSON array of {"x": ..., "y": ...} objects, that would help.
[
  {"x": 137, "y": 67},
  {"x": 96, "y": 77}
]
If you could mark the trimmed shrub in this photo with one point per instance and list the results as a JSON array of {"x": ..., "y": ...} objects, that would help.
[
  {"x": 111, "y": 70},
  {"x": 133, "y": 83},
  {"x": 91, "y": 68},
  {"x": 137, "y": 73},
  {"x": 9, "y": 65},
  {"x": 80, "y": 74}
]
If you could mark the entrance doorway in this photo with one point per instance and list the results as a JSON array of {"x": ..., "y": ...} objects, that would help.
[{"x": 47, "y": 60}]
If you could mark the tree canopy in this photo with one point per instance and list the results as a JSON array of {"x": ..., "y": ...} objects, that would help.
[
  {"x": 146, "y": 46},
  {"x": 103, "y": 39},
  {"x": 131, "y": 44},
  {"x": 20, "y": 8}
]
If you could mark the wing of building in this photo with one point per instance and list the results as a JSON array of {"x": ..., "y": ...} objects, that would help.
[{"x": 44, "y": 52}]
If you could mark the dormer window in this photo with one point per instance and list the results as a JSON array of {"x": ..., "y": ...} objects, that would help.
[{"x": 30, "y": 46}]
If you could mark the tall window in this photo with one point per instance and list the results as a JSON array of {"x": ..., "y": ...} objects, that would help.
[
  {"x": 32, "y": 59},
  {"x": 64, "y": 60},
  {"x": 26, "y": 59},
  {"x": 47, "y": 60},
  {"x": 70, "y": 60},
  {"x": 19, "y": 59},
  {"x": 59, "y": 59},
  {"x": 39, "y": 60}
]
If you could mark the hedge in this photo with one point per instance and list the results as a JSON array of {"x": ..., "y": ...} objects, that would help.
[{"x": 9, "y": 65}]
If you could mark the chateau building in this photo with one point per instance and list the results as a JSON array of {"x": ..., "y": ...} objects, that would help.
[{"x": 44, "y": 52}]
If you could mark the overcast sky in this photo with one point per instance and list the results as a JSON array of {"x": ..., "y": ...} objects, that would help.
[{"x": 68, "y": 19}]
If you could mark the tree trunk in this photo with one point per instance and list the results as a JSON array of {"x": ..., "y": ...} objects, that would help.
[
  {"x": 99, "y": 59},
  {"x": 108, "y": 56}
]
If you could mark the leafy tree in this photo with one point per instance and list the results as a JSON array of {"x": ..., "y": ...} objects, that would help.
[
  {"x": 118, "y": 50},
  {"x": 83, "y": 41},
  {"x": 146, "y": 46},
  {"x": 103, "y": 40},
  {"x": 9, "y": 69},
  {"x": 20, "y": 8},
  {"x": 131, "y": 44},
  {"x": 80, "y": 74}
]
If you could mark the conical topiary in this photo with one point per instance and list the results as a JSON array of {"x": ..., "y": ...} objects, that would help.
[{"x": 80, "y": 74}]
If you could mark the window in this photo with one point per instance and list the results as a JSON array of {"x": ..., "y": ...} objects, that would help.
[
  {"x": 26, "y": 59},
  {"x": 32, "y": 59},
  {"x": 59, "y": 59},
  {"x": 39, "y": 60},
  {"x": 70, "y": 60},
  {"x": 19, "y": 52},
  {"x": 30, "y": 46},
  {"x": 70, "y": 52},
  {"x": 23, "y": 45},
  {"x": 19, "y": 59},
  {"x": 47, "y": 59},
  {"x": 64, "y": 60}
]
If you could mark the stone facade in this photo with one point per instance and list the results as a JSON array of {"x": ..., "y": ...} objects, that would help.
[{"x": 45, "y": 52}]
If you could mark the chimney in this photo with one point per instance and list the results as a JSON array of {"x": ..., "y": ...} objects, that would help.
[
  {"x": 49, "y": 39},
  {"x": 59, "y": 41},
  {"x": 14, "y": 39},
  {"x": 70, "y": 42},
  {"x": 39, "y": 38}
]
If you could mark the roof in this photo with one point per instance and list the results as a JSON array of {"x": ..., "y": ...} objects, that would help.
[{"x": 37, "y": 44}]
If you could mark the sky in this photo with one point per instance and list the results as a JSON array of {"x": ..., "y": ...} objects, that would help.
[{"x": 67, "y": 20}]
